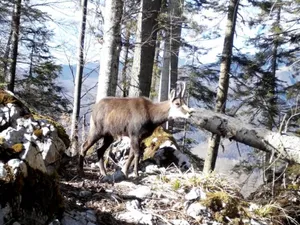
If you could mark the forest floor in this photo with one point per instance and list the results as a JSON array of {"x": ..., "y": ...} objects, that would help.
[
  {"x": 167, "y": 196},
  {"x": 109, "y": 200}
]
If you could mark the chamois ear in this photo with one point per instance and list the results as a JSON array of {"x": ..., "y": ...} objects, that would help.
[
  {"x": 181, "y": 85},
  {"x": 172, "y": 95},
  {"x": 183, "y": 89}
]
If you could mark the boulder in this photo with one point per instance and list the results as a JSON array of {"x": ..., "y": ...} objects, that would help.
[
  {"x": 31, "y": 147},
  {"x": 160, "y": 149}
]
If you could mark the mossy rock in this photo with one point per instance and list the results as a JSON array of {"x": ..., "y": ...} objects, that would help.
[
  {"x": 6, "y": 97},
  {"x": 7, "y": 153},
  {"x": 62, "y": 134},
  {"x": 27, "y": 198},
  {"x": 152, "y": 146},
  {"x": 293, "y": 169},
  {"x": 225, "y": 206}
]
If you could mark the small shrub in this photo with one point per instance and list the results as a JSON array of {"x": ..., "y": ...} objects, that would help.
[{"x": 176, "y": 184}]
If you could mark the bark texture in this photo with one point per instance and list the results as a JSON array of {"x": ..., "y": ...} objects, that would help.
[
  {"x": 146, "y": 35},
  {"x": 109, "y": 60},
  {"x": 169, "y": 74},
  {"x": 78, "y": 80},
  {"x": 15, "y": 43}
]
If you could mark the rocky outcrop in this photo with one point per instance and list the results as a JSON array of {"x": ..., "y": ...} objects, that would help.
[
  {"x": 31, "y": 147},
  {"x": 160, "y": 149}
]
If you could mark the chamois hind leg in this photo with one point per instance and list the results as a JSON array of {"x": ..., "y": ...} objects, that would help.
[
  {"x": 107, "y": 141},
  {"x": 91, "y": 140},
  {"x": 133, "y": 154}
]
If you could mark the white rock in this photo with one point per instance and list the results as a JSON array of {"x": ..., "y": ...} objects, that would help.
[
  {"x": 3, "y": 172},
  {"x": 253, "y": 207},
  {"x": 133, "y": 205},
  {"x": 51, "y": 149},
  {"x": 13, "y": 136},
  {"x": 195, "y": 210},
  {"x": 12, "y": 112},
  {"x": 16, "y": 223},
  {"x": 255, "y": 222},
  {"x": 136, "y": 217},
  {"x": 195, "y": 193},
  {"x": 33, "y": 157},
  {"x": 29, "y": 137},
  {"x": 95, "y": 165},
  {"x": 52, "y": 128},
  {"x": 18, "y": 165},
  {"x": 152, "y": 169},
  {"x": 167, "y": 143},
  {"x": 141, "y": 192},
  {"x": 45, "y": 131},
  {"x": 180, "y": 222}
]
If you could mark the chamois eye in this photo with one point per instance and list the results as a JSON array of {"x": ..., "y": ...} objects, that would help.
[{"x": 177, "y": 103}]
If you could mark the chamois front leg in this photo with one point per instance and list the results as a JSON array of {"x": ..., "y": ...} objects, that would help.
[
  {"x": 107, "y": 141},
  {"x": 84, "y": 148}
]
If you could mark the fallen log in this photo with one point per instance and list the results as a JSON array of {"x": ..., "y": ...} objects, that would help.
[{"x": 282, "y": 145}]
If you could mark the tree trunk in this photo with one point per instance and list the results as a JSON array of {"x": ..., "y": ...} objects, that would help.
[
  {"x": 155, "y": 73},
  {"x": 169, "y": 74},
  {"x": 213, "y": 146},
  {"x": 176, "y": 8},
  {"x": 282, "y": 145},
  {"x": 164, "y": 84},
  {"x": 144, "y": 51},
  {"x": 109, "y": 60},
  {"x": 126, "y": 61},
  {"x": 7, "y": 53},
  {"x": 270, "y": 80},
  {"x": 15, "y": 44},
  {"x": 78, "y": 80}
]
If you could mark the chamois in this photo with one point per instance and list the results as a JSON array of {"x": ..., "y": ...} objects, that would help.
[{"x": 136, "y": 118}]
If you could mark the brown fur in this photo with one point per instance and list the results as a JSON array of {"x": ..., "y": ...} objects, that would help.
[{"x": 133, "y": 117}]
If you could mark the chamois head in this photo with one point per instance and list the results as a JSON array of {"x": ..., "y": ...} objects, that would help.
[{"x": 178, "y": 108}]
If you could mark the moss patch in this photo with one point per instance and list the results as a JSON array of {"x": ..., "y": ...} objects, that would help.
[
  {"x": 7, "y": 153},
  {"x": 224, "y": 206},
  {"x": 160, "y": 136},
  {"x": 6, "y": 98},
  {"x": 17, "y": 148},
  {"x": 38, "y": 133}
]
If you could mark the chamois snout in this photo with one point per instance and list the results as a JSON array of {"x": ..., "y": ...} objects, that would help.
[{"x": 179, "y": 109}]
